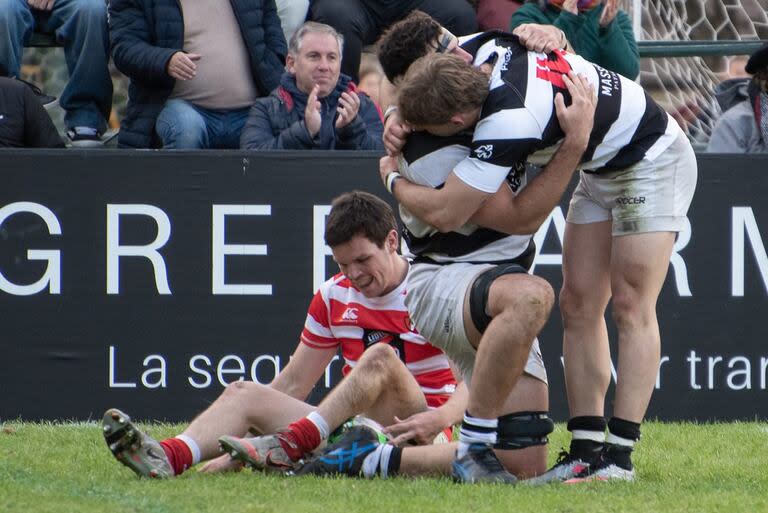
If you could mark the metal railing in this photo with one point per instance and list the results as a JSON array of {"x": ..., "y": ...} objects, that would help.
[{"x": 697, "y": 48}]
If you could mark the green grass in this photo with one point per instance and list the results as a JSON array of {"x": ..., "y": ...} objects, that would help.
[{"x": 681, "y": 467}]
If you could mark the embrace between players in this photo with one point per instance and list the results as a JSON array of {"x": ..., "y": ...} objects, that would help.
[{"x": 471, "y": 115}]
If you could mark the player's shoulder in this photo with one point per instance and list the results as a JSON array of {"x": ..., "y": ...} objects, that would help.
[{"x": 337, "y": 287}]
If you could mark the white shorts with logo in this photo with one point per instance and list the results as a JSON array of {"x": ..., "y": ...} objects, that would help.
[
  {"x": 650, "y": 196},
  {"x": 435, "y": 302}
]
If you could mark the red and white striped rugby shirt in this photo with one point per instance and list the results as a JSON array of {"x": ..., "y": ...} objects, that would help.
[{"x": 340, "y": 315}]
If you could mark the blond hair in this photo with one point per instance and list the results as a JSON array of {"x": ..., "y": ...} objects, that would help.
[{"x": 437, "y": 86}]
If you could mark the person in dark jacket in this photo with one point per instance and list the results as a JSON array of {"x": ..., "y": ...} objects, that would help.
[
  {"x": 196, "y": 67},
  {"x": 743, "y": 128},
  {"x": 81, "y": 26},
  {"x": 315, "y": 107},
  {"x": 24, "y": 123}
]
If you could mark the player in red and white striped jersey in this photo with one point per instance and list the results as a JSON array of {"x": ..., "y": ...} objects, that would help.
[
  {"x": 340, "y": 316},
  {"x": 391, "y": 372}
]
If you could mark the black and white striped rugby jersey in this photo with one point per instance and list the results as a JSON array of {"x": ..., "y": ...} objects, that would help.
[
  {"x": 428, "y": 160},
  {"x": 518, "y": 121}
]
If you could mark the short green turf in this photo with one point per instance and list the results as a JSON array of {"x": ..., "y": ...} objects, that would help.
[{"x": 680, "y": 467}]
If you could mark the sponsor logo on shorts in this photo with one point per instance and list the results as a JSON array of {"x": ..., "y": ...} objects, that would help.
[{"x": 631, "y": 200}]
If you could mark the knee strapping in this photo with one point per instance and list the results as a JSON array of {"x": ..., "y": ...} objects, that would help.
[
  {"x": 523, "y": 429},
  {"x": 478, "y": 295}
]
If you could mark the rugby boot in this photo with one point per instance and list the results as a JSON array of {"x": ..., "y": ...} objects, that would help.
[
  {"x": 344, "y": 457},
  {"x": 607, "y": 468},
  {"x": 480, "y": 465},
  {"x": 567, "y": 467},
  {"x": 133, "y": 448},
  {"x": 259, "y": 452}
]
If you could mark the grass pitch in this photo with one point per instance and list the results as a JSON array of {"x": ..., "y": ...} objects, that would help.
[{"x": 680, "y": 468}]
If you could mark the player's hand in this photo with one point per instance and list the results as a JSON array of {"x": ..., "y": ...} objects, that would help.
[
  {"x": 610, "y": 9},
  {"x": 387, "y": 164},
  {"x": 312, "y": 117},
  {"x": 221, "y": 464},
  {"x": 41, "y": 5},
  {"x": 182, "y": 65},
  {"x": 349, "y": 105},
  {"x": 576, "y": 120},
  {"x": 571, "y": 6},
  {"x": 395, "y": 134},
  {"x": 539, "y": 38},
  {"x": 421, "y": 428}
]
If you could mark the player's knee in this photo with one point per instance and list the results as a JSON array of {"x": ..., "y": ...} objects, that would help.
[
  {"x": 539, "y": 296},
  {"x": 629, "y": 311},
  {"x": 576, "y": 305},
  {"x": 239, "y": 389},
  {"x": 378, "y": 358}
]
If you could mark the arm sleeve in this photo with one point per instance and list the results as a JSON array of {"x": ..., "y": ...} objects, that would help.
[
  {"x": 39, "y": 131},
  {"x": 317, "y": 331},
  {"x": 528, "y": 13},
  {"x": 131, "y": 49},
  {"x": 258, "y": 133},
  {"x": 726, "y": 137},
  {"x": 492, "y": 156},
  {"x": 275, "y": 45},
  {"x": 365, "y": 132}
]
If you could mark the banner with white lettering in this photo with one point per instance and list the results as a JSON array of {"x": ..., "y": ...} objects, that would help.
[{"x": 150, "y": 280}]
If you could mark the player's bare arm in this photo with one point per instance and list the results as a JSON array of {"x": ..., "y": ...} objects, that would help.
[
  {"x": 446, "y": 208},
  {"x": 422, "y": 428},
  {"x": 305, "y": 367},
  {"x": 524, "y": 213}
]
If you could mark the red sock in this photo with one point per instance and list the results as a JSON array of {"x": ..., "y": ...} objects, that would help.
[
  {"x": 179, "y": 455},
  {"x": 301, "y": 437}
]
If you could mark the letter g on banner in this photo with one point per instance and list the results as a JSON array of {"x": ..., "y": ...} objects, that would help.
[{"x": 51, "y": 278}]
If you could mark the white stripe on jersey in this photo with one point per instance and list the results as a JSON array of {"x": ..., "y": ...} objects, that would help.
[
  {"x": 351, "y": 332},
  {"x": 414, "y": 338},
  {"x": 432, "y": 170},
  {"x": 316, "y": 328},
  {"x": 433, "y": 363},
  {"x": 351, "y": 295},
  {"x": 627, "y": 123}
]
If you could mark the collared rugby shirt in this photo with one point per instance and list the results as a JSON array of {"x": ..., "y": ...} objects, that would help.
[
  {"x": 518, "y": 121},
  {"x": 340, "y": 315}
]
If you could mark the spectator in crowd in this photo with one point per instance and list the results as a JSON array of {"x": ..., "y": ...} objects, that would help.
[
  {"x": 596, "y": 29},
  {"x": 315, "y": 107},
  {"x": 744, "y": 127},
  {"x": 82, "y": 26},
  {"x": 495, "y": 14},
  {"x": 362, "y": 21},
  {"x": 196, "y": 67},
  {"x": 24, "y": 123},
  {"x": 371, "y": 76},
  {"x": 292, "y": 14}
]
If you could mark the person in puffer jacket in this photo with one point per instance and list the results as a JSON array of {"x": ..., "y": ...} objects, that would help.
[
  {"x": 196, "y": 67},
  {"x": 315, "y": 106}
]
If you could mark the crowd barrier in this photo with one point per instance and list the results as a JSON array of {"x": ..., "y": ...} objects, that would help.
[{"x": 150, "y": 280}]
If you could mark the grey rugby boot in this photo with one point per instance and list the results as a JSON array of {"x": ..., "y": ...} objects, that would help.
[
  {"x": 567, "y": 467},
  {"x": 480, "y": 465},
  {"x": 259, "y": 452},
  {"x": 133, "y": 448}
]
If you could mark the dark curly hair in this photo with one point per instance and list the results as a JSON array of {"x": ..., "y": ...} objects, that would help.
[
  {"x": 404, "y": 42},
  {"x": 359, "y": 213}
]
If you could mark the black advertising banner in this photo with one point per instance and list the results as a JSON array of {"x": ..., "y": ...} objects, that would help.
[{"x": 150, "y": 280}]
